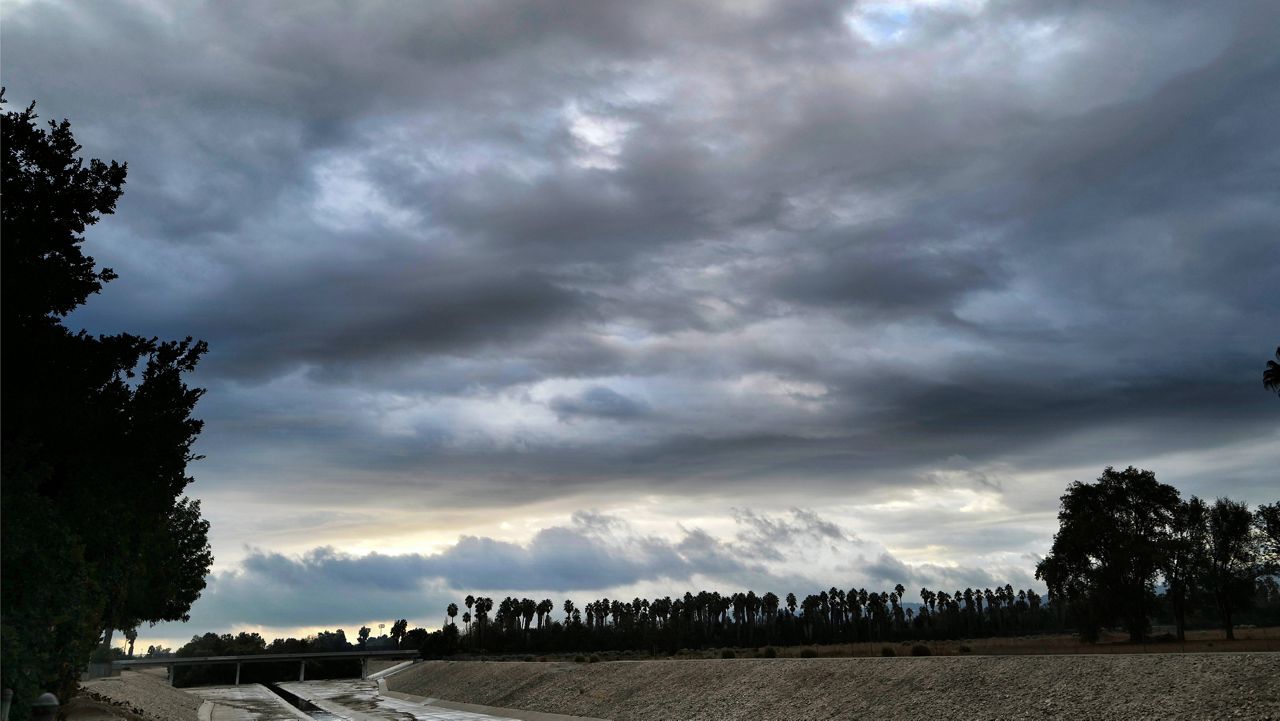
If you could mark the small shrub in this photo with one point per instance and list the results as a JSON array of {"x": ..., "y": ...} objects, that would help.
[
  {"x": 579, "y": 659},
  {"x": 964, "y": 649},
  {"x": 921, "y": 650},
  {"x": 770, "y": 652},
  {"x": 543, "y": 659},
  {"x": 528, "y": 659},
  {"x": 594, "y": 659},
  {"x": 808, "y": 653},
  {"x": 887, "y": 651},
  {"x": 728, "y": 653}
]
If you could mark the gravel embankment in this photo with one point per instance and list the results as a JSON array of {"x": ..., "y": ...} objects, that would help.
[
  {"x": 1154, "y": 686},
  {"x": 146, "y": 695}
]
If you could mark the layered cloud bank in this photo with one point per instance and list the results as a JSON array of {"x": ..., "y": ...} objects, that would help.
[
  {"x": 467, "y": 267},
  {"x": 592, "y": 555}
]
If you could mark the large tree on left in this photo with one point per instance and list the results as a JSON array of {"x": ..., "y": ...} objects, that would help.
[{"x": 97, "y": 431}]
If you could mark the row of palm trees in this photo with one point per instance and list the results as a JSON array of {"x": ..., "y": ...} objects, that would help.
[{"x": 709, "y": 618}]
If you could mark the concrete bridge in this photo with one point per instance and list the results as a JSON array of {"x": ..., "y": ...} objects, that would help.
[{"x": 170, "y": 662}]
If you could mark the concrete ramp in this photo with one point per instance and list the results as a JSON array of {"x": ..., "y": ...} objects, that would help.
[
  {"x": 388, "y": 671},
  {"x": 248, "y": 702}
]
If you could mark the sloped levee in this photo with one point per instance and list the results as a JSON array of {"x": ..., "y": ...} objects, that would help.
[
  {"x": 1164, "y": 686},
  {"x": 145, "y": 695}
]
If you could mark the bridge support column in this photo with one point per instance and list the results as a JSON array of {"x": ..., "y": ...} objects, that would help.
[
  {"x": 169, "y": 675},
  {"x": 302, "y": 670},
  {"x": 237, "y": 673},
  {"x": 364, "y": 668}
]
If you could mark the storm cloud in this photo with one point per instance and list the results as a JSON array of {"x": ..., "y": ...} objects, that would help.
[{"x": 472, "y": 263}]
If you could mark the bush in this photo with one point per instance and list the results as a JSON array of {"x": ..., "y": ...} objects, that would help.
[
  {"x": 965, "y": 649},
  {"x": 888, "y": 651},
  {"x": 770, "y": 652},
  {"x": 594, "y": 659},
  {"x": 579, "y": 659},
  {"x": 808, "y": 653},
  {"x": 921, "y": 650},
  {"x": 728, "y": 653}
]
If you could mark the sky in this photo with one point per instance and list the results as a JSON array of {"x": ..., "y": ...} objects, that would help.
[{"x": 572, "y": 300}]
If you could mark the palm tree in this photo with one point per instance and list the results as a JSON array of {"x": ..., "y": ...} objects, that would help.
[
  {"x": 470, "y": 601},
  {"x": 1271, "y": 376},
  {"x": 480, "y": 615},
  {"x": 528, "y": 608},
  {"x": 452, "y": 611},
  {"x": 545, "y": 607}
]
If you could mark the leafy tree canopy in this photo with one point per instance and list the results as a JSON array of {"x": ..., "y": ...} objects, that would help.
[
  {"x": 1230, "y": 558},
  {"x": 1267, "y": 528},
  {"x": 1113, "y": 540},
  {"x": 97, "y": 431}
]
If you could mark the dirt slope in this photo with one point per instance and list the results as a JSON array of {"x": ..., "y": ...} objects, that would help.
[
  {"x": 145, "y": 695},
  {"x": 1155, "y": 686}
]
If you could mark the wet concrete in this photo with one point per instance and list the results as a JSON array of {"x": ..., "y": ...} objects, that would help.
[
  {"x": 247, "y": 702},
  {"x": 359, "y": 700}
]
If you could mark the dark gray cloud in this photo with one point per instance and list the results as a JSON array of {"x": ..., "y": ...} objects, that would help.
[{"x": 496, "y": 255}]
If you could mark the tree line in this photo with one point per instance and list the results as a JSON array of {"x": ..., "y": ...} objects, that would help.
[
  {"x": 1122, "y": 535},
  {"x": 709, "y": 619}
]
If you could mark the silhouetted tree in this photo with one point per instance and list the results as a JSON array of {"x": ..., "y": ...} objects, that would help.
[
  {"x": 416, "y": 637},
  {"x": 363, "y": 635},
  {"x": 1112, "y": 540},
  {"x": 1230, "y": 558},
  {"x": 86, "y": 436},
  {"x": 451, "y": 612},
  {"x": 1183, "y": 563},
  {"x": 528, "y": 609},
  {"x": 398, "y": 630},
  {"x": 1271, "y": 374},
  {"x": 1266, "y": 521}
]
